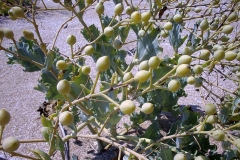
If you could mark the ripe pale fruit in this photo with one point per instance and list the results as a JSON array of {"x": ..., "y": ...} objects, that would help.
[
  {"x": 86, "y": 69},
  {"x": 154, "y": 62},
  {"x": 143, "y": 65},
  {"x": 61, "y": 65},
  {"x": 232, "y": 17},
  {"x": 219, "y": 55},
  {"x": 180, "y": 156},
  {"x": 8, "y": 33},
  {"x": 127, "y": 76},
  {"x": 191, "y": 80},
  {"x": 45, "y": 132},
  {"x": 103, "y": 63},
  {"x": 142, "y": 76},
  {"x": 212, "y": 119},
  {"x": 227, "y": 29},
  {"x": 210, "y": 109},
  {"x": 178, "y": 18},
  {"x": 99, "y": 8},
  {"x": 197, "y": 69},
  {"x": 204, "y": 54},
  {"x": 117, "y": 44},
  {"x": 198, "y": 82},
  {"x": 164, "y": 33},
  {"x": 238, "y": 56},
  {"x": 4, "y": 117},
  {"x": 146, "y": 16},
  {"x": 174, "y": 85},
  {"x": 141, "y": 33},
  {"x": 129, "y": 10},
  {"x": 185, "y": 59},
  {"x": 88, "y": 50},
  {"x": 17, "y": 12},
  {"x": 197, "y": 9},
  {"x": 127, "y": 107},
  {"x": 183, "y": 70},
  {"x": 218, "y": 135},
  {"x": 204, "y": 25},
  {"x": 201, "y": 158},
  {"x": 63, "y": 87},
  {"x": 230, "y": 55},
  {"x": 66, "y": 118},
  {"x": 187, "y": 51},
  {"x": 108, "y": 31},
  {"x": 237, "y": 143},
  {"x": 168, "y": 26},
  {"x": 218, "y": 47},
  {"x": 136, "y": 17},
  {"x": 147, "y": 108},
  {"x": 28, "y": 35},
  {"x": 71, "y": 39},
  {"x": 118, "y": 9},
  {"x": 10, "y": 144}
]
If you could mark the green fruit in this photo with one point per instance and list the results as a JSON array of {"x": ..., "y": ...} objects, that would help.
[
  {"x": 154, "y": 62},
  {"x": 218, "y": 135},
  {"x": 118, "y": 9},
  {"x": 185, "y": 59},
  {"x": 18, "y": 12},
  {"x": 191, "y": 80},
  {"x": 8, "y": 33},
  {"x": 144, "y": 65},
  {"x": 227, "y": 29},
  {"x": 89, "y": 2},
  {"x": 127, "y": 107},
  {"x": 86, "y": 70},
  {"x": 230, "y": 55},
  {"x": 224, "y": 38},
  {"x": 212, "y": 119},
  {"x": 1, "y": 34},
  {"x": 56, "y": 1},
  {"x": 63, "y": 87},
  {"x": 201, "y": 158},
  {"x": 204, "y": 25},
  {"x": 197, "y": 9},
  {"x": 218, "y": 47},
  {"x": 178, "y": 18},
  {"x": 198, "y": 82},
  {"x": 45, "y": 132},
  {"x": 233, "y": 16},
  {"x": 174, "y": 85},
  {"x": 136, "y": 17},
  {"x": 28, "y": 35},
  {"x": 117, "y": 44},
  {"x": 99, "y": 8},
  {"x": 146, "y": 16},
  {"x": 210, "y": 109},
  {"x": 183, "y": 70},
  {"x": 147, "y": 108},
  {"x": 187, "y": 51},
  {"x": 142, "y": 76},
  {"x": 197, "y": 69},
  {"x": 204, "y": 54},
  {"x": 10, "y": 144},
  {"x": 168, "y": 26},
  {"x": 88, "y": 50},
  {"x": 180, "y": 156},
  {"x": 129, "y": 10},
  {"x": 141, "y": 33},
  {"x": 61, "y": 65},
  {"x": 66, "y": 118},
  {"x": 108, "y": 31},
  {"x": 4, "y": 117},
  {"x": 127, "y": 76},
  {"x": 238, "y": 56},
  {"x": 103, "y": 63},
  {"x": 219, "y": 55},
  {"x": 71, "y": 40},
  {"x": 214, "y": 26},
  {"x": 237, "y": 143},
  {"x": 164, "y": 33}
]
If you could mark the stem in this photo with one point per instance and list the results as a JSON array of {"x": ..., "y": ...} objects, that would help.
[
  {"x": 71, "y": 46},
  {"x": 165, "y": 77},
  {"x": 95, "y": 82},
  {"x": 23, "y": 156},
  {"x": 32, "y": 141},
  {"x": 1, "y": 132}
]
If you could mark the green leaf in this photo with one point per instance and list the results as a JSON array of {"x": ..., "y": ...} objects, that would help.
[
  {"x": 46, "y": 122},
  {"x": 94, "y": 30},
  {"x": 58, "y": 142},
  {"x": 41, "y": 154},
  {"x": 117, "y": 1},
  {"x": 123, "y": 32},
  {"x": 74, "y": 157},
  {"x": 224, "y": 114},
  {"x": 152, "y": 132},
  {"x": 166, "y": 153},
  {"x": 81, "y": 5},
  {"x": 192, "y": 38}
]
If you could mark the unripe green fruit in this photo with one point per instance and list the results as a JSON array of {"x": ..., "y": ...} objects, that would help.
[
  {"x": 233, "y": 16},
  {"x": 230, "y": 55},
  {"x": 66, "y": 118},
  {"x": 103, "y": 63},
  {"x": 212, "y": 119},
  {"x": 108, "y": 31},
  {"x": 227, "y": 29},
  {"x": 180, "y": 156},
  {"x": 144, "y": 65},
  {"x": 224, "y": 38},
  {"x": 71, "y": 40},
  {"x": 198, "y": 82},
  {"x": 191, "y": 80},
  {"x": 142, "y": 76},
  {"x": 127, "y": 107},
  {"x": 164, "y": 33},
  {"x": 214, "y": 26},
  {"x": 61, "y": 65},
  {"x": 185, "y": 59},
  {"x": 117, "y": 44},
  {"x": 204, "y": 25},
  {"x": 141, "y": 33},
  {"x": 197, "y": 9},
  {"x": 99, "y": 8},
  {"x": 237, "y": 143},
  {"x": 168, "y": 26},
  {"x": 147, "y": 108},
  {"x": 28, "y": 35},
  {"x": 210, "y": 109},
  {"x": 86, "y": 69},
  {"x": 178, "y": 18},
  {"x": 197, "y": 69},
  {"x": 89, "y": 2},
  {"x": 10, "y": 144},
  {"x": 136, "y": 17},
  {"x": 4, "y": 117},
  {"x": 218, "y": 135},
  {"x": 118, "y": 9},
  {"x": 217, "y": 47},
  {"x": 129, "y": 10},
  {"x": 183, "y": 70},
  {"x": 146, "y": 16},
  {"x": 18, "y": 12},
  {"x": 88, "y": 50},
  {"x": 63, "y": 87},
  {"x": 8, "y": 33},
  {"x": 154, "y": 62},
  {"x": 56, "y": 1},
  {"x": 174, "y": 85},
  {"x": 204, "y": 54},
  {"x": 219, "y": 55},
  {"x": 45, "y": 132},
  {"x": 201, "y": 158},
  {"x": 127, "y": 76},
  {"x": 238, "y": 56},
  {"x": 187, "y": 51}
]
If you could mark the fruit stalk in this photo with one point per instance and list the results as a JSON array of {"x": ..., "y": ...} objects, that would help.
[{"x": 95, "y": 82}]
